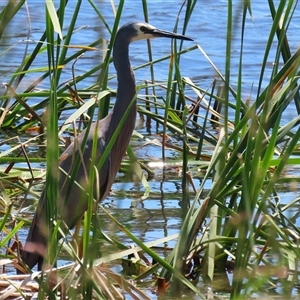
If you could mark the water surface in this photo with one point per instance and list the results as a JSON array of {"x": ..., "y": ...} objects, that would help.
[{"x": 160, "y": 214}]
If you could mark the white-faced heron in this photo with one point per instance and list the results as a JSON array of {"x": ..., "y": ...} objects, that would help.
[{"x": 72, "y": 202}]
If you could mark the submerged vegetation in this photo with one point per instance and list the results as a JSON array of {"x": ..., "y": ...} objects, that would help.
[{"x": 236, "y": 237}]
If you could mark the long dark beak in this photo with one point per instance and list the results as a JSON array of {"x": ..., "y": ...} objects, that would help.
[{"x": 161, "y": 33}]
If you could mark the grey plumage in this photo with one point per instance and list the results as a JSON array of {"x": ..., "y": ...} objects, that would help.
[{"x": 72, "y": 205}]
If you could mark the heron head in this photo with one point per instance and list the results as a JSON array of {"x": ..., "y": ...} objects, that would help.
[{"x": 142, "y": 30}]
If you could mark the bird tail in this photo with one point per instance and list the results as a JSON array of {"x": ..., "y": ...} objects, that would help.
[{"x": 35, "y": 247}]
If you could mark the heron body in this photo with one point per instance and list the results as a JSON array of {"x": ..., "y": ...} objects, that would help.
[{"x": 72, "y": 201}]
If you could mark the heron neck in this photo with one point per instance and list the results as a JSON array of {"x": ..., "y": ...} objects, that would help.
[
  {"x": 126, "y": 84},
  {"x": 125, "y": 94}
]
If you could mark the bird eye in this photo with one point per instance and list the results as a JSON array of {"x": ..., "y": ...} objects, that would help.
[{"x": 143, "y": 28}]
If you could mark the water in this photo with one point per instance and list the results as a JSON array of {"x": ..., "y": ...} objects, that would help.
[
  {"x": 207, "y": 27},
  {"x": 160, "y": 214}
]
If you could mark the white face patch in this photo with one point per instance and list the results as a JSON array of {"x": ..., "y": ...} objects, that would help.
[{"x": 140, "y": 34}]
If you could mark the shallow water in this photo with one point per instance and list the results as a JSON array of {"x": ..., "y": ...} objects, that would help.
[{"x": 160, "y": 214}]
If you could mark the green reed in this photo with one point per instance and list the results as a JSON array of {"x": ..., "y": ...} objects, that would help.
[
  {"x": 244, "y": 229},
  {"x": 245, "y": 224}
]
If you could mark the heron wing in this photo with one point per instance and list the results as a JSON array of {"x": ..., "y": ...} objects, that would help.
[
  {"x": 74, "y": 188},
  {"x": 73, "y": 195}
]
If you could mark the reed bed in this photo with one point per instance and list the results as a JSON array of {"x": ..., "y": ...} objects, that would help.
[{"x": 236, "y": 238}]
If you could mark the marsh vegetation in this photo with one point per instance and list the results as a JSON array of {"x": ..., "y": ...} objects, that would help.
[{"x": 230, "y": 149}]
